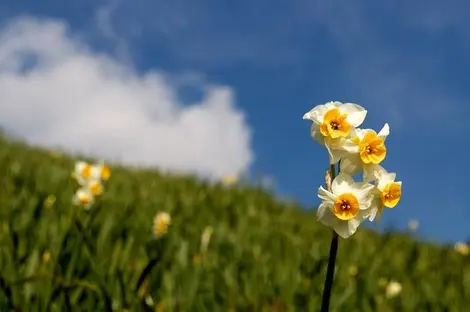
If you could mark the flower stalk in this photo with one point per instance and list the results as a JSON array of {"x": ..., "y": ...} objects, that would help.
[{"x": 330, "y": 271}]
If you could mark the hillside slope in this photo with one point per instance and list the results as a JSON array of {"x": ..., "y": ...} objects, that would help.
[{"x": 262, "y": 256}]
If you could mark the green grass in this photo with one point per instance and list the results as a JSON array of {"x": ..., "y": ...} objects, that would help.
[{"x": 263, "y": 255}]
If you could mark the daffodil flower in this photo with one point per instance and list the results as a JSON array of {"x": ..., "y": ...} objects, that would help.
[
  {"x": 83, "y": 197},
  {"x": 100, "y": 171},
  {"x": 82, "y": 172},
  {"x": 333, "y": 123},
  {"x": 160, "y": 224},
  {"x": 346, "y": 206},
  {"x": 366, "y": 150},
  {"x": 462, "y": 248},
  {"x": 387, "y": 192},
  {"x": 393, "y": 289},
  {"x": 95, "y": 186},
  {"x": 413, "y": 225}
]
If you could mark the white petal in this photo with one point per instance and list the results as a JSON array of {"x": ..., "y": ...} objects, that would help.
[
  {"x": 349, "y": 146},
  {"x": 379, "y": 172},
  {"x": 79, "y": 165},
  {"x": 334, "y": 151},
  {"x": 362, "y": 190},
  {"x": 375, "y": 208},
  {"x": 390, "y": 177},
  {"x": 336, "y": 155},
  {"x": 316, "y": 114},
  {"x": 324, "y": 211},
  {"x": 342, "y": 144},
  {"x": 381, "y": 175},
  {"x": 363, "y": 215},
  {"x": 326, "y": 195},
  {"x": 342, "y": 184},
  {"x": 384, "y": 132},
  {"x": 360, "y": 133},
  {"x": 325, "y": 215},
  {"x": 346, "y": 228},
  {"x": 366, "y": 202},
  {"x": 373, "y": 213},
  {"x": 351, "y": 164},
  {"x": 356, "y": 113},
  {"x": 353, "y": 132},
  {"x": 316, "y": 134},
  {"x": 336, "y": 143},
  {"x": 370, "y": 172},
  {"x": 386, "y": 179},
  {"x": 354, "y": 224},
  {"x": 95, "y": 172},
  {"x": 332, "y": 104}
]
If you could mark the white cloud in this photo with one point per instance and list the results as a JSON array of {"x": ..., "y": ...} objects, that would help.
[{"x": 57, "y": 92}]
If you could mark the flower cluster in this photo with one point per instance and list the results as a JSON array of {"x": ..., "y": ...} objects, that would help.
[
  {"x": 347, "y": 203},
  {"x": 90, "y": 178}
]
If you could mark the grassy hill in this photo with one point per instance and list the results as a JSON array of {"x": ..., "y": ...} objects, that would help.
[{"x": 263, "y": 255}]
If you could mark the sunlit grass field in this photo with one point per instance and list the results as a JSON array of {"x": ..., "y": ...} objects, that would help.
[{"x": 263, "y": 255}]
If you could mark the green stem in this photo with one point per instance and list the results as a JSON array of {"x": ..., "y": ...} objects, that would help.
[
  {"x": 83, "y": 234},
  {"x": 146, "y": 272},
  {"x": 155, "y": 250},
  {"x": 330, "y": 271}
]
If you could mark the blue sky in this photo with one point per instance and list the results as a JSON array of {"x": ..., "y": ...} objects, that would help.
[{"x": 406, "y": 63}]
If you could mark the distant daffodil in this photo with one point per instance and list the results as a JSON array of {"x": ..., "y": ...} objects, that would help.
[
  {"x": 90, "y": 178},
  {"x": 161, "y": 223},
  {"x": 84, "y": 198}
]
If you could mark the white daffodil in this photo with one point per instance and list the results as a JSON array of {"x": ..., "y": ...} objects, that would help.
[
  {"x": 82, "y": 172},
  {"x": 83, "y": 197},
  {"x": 393, "y": 289},
  {"x": 100, "y": 171},
  {"x": 332, "y": 123},
  {"x": 95, "y": 187},
  {"x": 462, "y": 248},
  {"x": 366, "y": 150},
  {"x": 387, "y": 192},
  {"x": 346, "y": 206},
  {"x": 161, "y": 222},
  {"x": 413, "y": 225}
]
